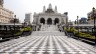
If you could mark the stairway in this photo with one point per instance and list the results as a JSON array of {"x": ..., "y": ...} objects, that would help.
[
  {"x": 48, "y": 30},
  {"x": 48, "y": 33}
]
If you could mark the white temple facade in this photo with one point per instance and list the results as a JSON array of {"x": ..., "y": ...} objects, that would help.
[{"x": 50, "y": 16}]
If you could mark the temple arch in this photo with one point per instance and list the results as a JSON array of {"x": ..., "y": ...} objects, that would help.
[
  {"x": 56, "y": 21},
  {"x": 49, "y": 21},
  {"x": 42, "y": 20}
]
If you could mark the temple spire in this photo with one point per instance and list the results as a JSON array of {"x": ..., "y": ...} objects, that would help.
[
  {"x": 50, "y": 6},
  {"x": 55, "y": 9},
  {"x": 44, "y": 9}
]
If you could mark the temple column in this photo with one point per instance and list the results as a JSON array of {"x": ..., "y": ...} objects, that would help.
[
  {"x": 45, "y": 21},
  {"x": 52, "y": 21}
]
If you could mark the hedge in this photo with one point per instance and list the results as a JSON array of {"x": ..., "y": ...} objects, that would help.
[
  {"x": 81, "y": 34},
  {"x": 23, "y": 30}
]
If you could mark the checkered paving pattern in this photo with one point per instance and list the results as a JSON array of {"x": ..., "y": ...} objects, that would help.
[{"x": 42, "y": 45}]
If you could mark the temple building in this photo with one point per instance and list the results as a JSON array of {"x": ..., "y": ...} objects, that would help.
[
  {"x": 5, "y": 14},
  {"x": 50, "y": 16}
]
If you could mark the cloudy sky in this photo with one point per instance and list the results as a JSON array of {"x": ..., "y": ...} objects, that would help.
[{"x": 73, "y": 7}]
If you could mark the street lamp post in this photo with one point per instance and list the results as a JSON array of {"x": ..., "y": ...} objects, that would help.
[
  {"x": 14, "y": 24},
  {"x": 94, "y": 17},
  {"x": 78, "y": 25},
  {"x": 93, "y": 9},
  {"x": 70, "y": 24}
]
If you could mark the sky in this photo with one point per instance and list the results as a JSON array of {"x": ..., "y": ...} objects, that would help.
[{"x": 73, "y": 7}]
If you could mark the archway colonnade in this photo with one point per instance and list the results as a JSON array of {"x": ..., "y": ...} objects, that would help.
[{"x": 49, "y": 21}]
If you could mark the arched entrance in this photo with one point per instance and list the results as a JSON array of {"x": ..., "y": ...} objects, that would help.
[
  {"x": 56, "y": 21},
  {"x": 49, "y": 21},
  {"x": 42, "y": 20}
]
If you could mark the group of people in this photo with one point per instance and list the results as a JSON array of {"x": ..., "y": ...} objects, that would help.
[{"x": 61, "y": 29}]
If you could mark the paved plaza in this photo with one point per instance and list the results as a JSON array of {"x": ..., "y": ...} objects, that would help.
[{"x": 46, "y": 41}]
